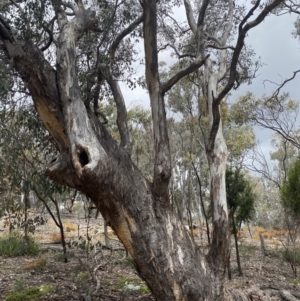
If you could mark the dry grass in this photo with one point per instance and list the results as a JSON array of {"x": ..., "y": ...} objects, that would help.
[
  {"x": 55, "y": 238},
  {"x": 40, "y": 236},
  {"x": 195, "y": 232},
  {"x": 276, "y": 242},
  {"x": 50, "y": 223},
  {"x": 35, "y": 264},
  {"x": 268, "y": 233},
  {"x": 69, "y": 226}
]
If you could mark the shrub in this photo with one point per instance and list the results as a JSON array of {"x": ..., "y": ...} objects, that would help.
[
  {"x": 292, "y": 256},
  {"x": 19, "y": 284},
  {"x": 14, "y": 244},
  {"x": 29, "y": 294},
  {"x": 145, "y": 289},
  {"x": 60, "y": 257}
]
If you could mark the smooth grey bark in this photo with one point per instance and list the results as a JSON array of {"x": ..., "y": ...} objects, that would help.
[
  {"x": 202, "y": 203},
  {"x": 216, "y": 148}
]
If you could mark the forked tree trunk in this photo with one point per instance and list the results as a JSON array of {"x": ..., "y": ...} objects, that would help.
[
  {"x": 162, "y": 249},
  {"x": 90, "y": 161}
]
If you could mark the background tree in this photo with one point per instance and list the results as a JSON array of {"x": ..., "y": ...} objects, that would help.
[
  {"x": 240, "y": 198},
  {"x": 26, "y": 149},
  {"x": 290, "y": 196},
  {"x": 276, "y": 113}
]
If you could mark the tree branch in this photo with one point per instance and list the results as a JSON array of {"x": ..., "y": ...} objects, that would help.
[
  {"x": 202, "y": 12},
  {"x": 220, "y": 48},
  {"x": 200, "y": 28},
  {"x": 190, "y": 17},
  {"x": 180, "y": 56},
  {"x": 121, "y": 114},
  {"x": 229, "y": 23},
  {"x": 115, "y": 88},
  {"x": 240, "y": 43},
  {"x": 165, "y": 87},
  {"x": 50, "y": 39},
  {"x": 162, "y": 167},
  {"x": 276, "y": 93},
  {"x": 123, "y": 34},
  {"x": 85, "y": 148},
  {"x": 5, "y": 31}
]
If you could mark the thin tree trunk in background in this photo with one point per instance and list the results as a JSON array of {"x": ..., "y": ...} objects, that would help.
[
  {"x": 57, "y": 221},
  {"x": 189, "y": 200},
  {"x": 236, "y": 246},
  {"x": 107, "y": 239},
  {"x": 61, "y": 230},
  {"x": 26, "y": 206},
  {"x": 202, "y": 203},
  {"x": 262, "y": 245},
  {"x": 229, "y": 270}
]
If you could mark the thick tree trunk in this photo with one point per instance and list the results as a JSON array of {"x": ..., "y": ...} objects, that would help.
[
  {"x": 163, "y": 251},
  {"x": 164, "y": 254},
  {"x": 217, "y": 158}
]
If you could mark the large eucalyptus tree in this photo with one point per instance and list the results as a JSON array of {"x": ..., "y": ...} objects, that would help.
[{"x": 71, "y": 54}]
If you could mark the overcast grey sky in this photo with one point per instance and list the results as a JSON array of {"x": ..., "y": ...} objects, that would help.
[{"x": 279, "y": 51}]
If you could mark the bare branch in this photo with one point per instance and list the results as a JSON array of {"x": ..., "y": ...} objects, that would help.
[
  {"x": 180, "y": 56},
  {"x": 202, "y": 13},
  {"x": 50, "y": 39},
  {"x": 165, "y": 87},
  {"x": 190, "y": 17},
  {"x": 291, "y": 9},
  {"x": 260, "y": 165},
  {"x": 240, "y": 43},
  {"x": 220, "y": 48},
  {"x": 123, "y": 34},
  {"x": 175, "y": 22},
  {"x": 200, "y": 28},
  {"x": 276, "y": 93},
  {"x": 250, "y": 13},
  {"x": 213, "y": 38},
  {"x": 121, "y": 114},
  {"x": 115, "y": 88}
]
